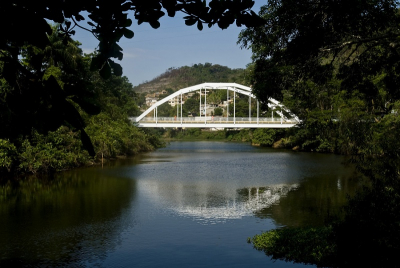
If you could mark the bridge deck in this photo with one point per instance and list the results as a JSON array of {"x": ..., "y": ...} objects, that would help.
[{"x": 220, "y": 122}]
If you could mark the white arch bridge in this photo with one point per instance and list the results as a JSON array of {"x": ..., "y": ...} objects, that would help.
[{"x": 283, "y": 118}]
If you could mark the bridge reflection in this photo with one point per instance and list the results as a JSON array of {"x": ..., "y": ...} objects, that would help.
[{"x": 207, "y": 206}]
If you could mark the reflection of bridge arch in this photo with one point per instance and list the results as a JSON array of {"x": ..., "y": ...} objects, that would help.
[
  {"x": 285, "y": 118},
  {"x": 200, "y": 202}
]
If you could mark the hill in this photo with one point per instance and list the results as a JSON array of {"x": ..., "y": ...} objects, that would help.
[{"x": 177, "y": 78}]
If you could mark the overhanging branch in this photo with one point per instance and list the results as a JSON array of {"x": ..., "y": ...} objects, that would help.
[{"x": 359, "y": 41}]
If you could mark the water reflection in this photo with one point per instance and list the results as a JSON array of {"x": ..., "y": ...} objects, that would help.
[
  {"x": 74, "y": 218},
  {"x": 316, "y": 200},
  {"x": 212, "y": 182},
  {"x": 190, "y": 204},
  {"x": 207, "y": 203}
]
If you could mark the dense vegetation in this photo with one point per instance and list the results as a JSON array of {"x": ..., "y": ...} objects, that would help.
[
  {"x": 257, "y": 137},
  {"x": 45, "y": 138},
  {"x": 333, "y": 63},
  {"x": 108, "y": 22},
  {"x": 336, "y": 65},
  {"x": 185, "y": 76},
  {"x": 42, "y": 69}
]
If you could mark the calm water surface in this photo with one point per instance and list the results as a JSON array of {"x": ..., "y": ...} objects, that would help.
[{"x": 191, "y": 204}]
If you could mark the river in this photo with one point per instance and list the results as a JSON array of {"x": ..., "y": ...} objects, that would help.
[{"x": 191, "y": 204}]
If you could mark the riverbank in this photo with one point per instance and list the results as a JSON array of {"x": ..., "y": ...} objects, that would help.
[
  {"x": 369, "y": 226},
  {"x": 62, "y": 149},
  {"x": 257, "y": 137},
  {"x": 210, "y": 196},
  {"x": 275, "y": 138}
]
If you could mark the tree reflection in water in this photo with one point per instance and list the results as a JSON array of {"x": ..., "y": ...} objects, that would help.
[{"x": 76, "y": 217}]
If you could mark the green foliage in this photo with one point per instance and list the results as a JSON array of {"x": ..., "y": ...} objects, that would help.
[
  {"x": 52, "y": 83},
  {"x": 115, "y": 95},
  {"x": 368, "y": 235},
  {"x": 193, "y": 134},
  {"x": 43, "y": 150},
  {"x": 108, "y": 22},
  {"x": 111, "y": 132},
  {"x": 308, "y": 41},
  {"x": 199, "y": 134},
  {"x": 55, "y": 72},
  {"x": 243, "y": 135},
  {"x": 191, "y": 106},
  {"x": 329, "y": 80},
  {"x": 317, "y": 133},
  {"x": 58, "y": 150},
  {"x": 218, "y": 111},
  {"x": 242, "y": 107},
  {"x": 8, "y": 154},
  {"x": 217, "y": 96},
  {"x": 263, "y": 137},
  {"x": 166, "y": 110},
  {"x": 153, "y": 137},
  {"x": 302, "y": 245},
  {"x": 42, "y": 70},
  {"x": 119, "y": 137},
  {"x": 336, "y": 65},
  {"x": 185, "y": 76}
]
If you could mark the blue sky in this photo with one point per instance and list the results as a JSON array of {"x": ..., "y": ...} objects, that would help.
[{"x": 152, "y": 51}]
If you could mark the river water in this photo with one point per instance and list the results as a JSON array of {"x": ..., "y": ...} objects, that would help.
[{"x": 191, "y": 204}]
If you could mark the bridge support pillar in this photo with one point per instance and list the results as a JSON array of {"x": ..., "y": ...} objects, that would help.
[
  {"x": 181, "y": 109},
  {"x": 250, "y": 108},
  {"x": 227, "y": 104},
  {"x": 234, "y": 106},
  {"x": 258, "y": 110},
  {"x": 200, "y": 103},
  {"x": 205, "y": 106}
]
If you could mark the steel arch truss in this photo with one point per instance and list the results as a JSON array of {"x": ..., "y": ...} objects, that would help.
[{"x": 273, "y": 104}]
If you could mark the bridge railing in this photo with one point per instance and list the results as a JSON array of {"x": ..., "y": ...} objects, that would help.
[{"x": 217, "y": 120}]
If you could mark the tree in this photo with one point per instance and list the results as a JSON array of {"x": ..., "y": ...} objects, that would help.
[
  {"x": 337, "y": 62},
  {"x": 46, "y": 90},
  {"x": 353, "y": 41},
  {"x": 324, "y": 58},
  {"x": 52, "y": 100},
  {"x": 242, "y": 107},
  {"x": 218, "y": 111},
  {"x": 109, "y": 22},
  {"x": 191, "y": 105},
  {"x": 166, "y": 110}
]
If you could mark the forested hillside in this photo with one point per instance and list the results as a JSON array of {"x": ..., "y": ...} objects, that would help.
[{"x": 177, "y": 78}]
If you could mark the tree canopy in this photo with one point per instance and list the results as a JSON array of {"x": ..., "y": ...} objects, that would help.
[
  {"x": 336, "y": 64},
  {"x": 353, "y": 41},
  {"x": 41, "y": 67},
  {"x": 25, "y": 22}
]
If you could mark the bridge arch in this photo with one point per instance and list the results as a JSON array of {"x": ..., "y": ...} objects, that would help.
[{"x": 273, "y": 104}]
